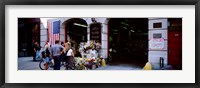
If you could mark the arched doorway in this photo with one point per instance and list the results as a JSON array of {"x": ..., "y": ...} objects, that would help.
[
  {"x": 75, "y": 32},
  {"x": 128, "y": 40}
]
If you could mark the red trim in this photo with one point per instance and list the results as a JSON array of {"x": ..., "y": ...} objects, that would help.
[{"x": 168, "y": 44}]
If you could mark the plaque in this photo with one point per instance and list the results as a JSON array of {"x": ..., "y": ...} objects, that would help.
[{"x": 157, "y": 35}]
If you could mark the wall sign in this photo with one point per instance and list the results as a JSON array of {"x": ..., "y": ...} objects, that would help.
[
  {"x": 156, "y": 44},
  {"x": 157, "y": 35},
  {"x": 95, "y": 32}
]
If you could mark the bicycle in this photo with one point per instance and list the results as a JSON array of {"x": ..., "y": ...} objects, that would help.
[
  {"x": 50, "y": 65},
  {"x": 43, "y": 62}
]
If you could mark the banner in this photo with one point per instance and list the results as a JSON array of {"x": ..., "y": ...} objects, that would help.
[{"x": 156, "y": 44}]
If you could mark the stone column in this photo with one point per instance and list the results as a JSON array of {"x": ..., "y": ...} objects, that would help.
[
  {"x": 158, "y": 41},
  {"x": 104, "y": 40},
  {"x": 89, "y": 21},
  {"x": 104, "y": 36},
  {"x": 62, "y": 29},
  {"x": 43, "y": 35}
]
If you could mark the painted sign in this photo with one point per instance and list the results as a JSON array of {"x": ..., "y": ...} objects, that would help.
[
  {"x": 95, "y": 32},
  {"x": 156, "y": 44}
]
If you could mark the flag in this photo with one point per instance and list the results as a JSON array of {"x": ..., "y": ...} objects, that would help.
[{"x": 53, "y": 30}]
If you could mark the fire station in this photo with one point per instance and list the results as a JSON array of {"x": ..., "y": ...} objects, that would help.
[{"x": 137, "y": 40}]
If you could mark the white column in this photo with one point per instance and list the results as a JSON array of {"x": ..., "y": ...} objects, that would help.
[
  {"x": 155, "y": 52},
  {"x": 43, "y": 35},
  {"x": 89, "y": 21},
  {"x": 104, "y": 35},
  {"x": 62, "y": 29},
  {"x": 62, "y": 34},
  {"x": 88, "y": 33},
  {"x": 104, "y": 40}
]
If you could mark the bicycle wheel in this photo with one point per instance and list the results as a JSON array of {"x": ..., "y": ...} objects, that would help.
[{"x": 42, "y": 65}]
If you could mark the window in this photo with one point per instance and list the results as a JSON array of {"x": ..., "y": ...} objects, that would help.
[{"x": 157, "y": 25}]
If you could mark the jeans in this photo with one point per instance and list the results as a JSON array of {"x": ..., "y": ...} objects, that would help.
[
  {"x": 57, "y": 61},
  {"x": 37, "y": 55}
]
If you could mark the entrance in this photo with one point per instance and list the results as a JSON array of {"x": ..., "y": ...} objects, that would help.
[
  {"x": 75, "y": 32},
  {"x": 128, "y": 40},
  {"x": 28, "y": 33},
  {"x": 175, "y": 43}
]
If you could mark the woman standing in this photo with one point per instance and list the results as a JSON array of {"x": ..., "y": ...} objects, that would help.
[{"x": 69, "y": 55}]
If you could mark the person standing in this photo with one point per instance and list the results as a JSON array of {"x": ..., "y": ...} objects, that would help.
[
  {"x": 38, "y": 48},
  {"x": 34, "y": 51},
  {"x": 46, "y": 54},
  {"x": 69, "y": 54},
  {"x": 62, "y": 56},
  {"x": 47, "y": 48},
  {"x": 55, "y": 53},
  {"x": 47, "y": 45}
]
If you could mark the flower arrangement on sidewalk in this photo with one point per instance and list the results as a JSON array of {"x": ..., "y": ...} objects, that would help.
[
  {"x": 90, "y": 57},
  {"x": 85, "y": 48}
]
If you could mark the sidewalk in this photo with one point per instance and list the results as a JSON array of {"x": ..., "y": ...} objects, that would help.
[
  {"x": 120, "y": 67},
  {"x": 27, "y": 63}
]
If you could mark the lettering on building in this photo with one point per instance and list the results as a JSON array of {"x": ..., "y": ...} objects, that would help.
[{"x": 95, "y": 32}]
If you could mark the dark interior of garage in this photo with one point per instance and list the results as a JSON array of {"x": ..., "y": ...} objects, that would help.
[
  {"x": 128, "y": 40},
  {"x": 28, "y": 32}
]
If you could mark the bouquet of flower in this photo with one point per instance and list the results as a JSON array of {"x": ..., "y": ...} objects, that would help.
[
  {"x": 98, "y": 46},
  {"x": 85, "y": 48}
]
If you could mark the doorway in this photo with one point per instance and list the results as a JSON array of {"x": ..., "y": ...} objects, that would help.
[
  {"x": 128, "y": 40},
  {"x": 75, "y": 32},
  {"x": 28, "y": 33},
  {"x": 175, "y": 43}
]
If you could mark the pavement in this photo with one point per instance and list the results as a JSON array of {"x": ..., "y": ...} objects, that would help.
[
  {"x": 27, "y": 63},
  {"x": 120, "y": 67}
]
